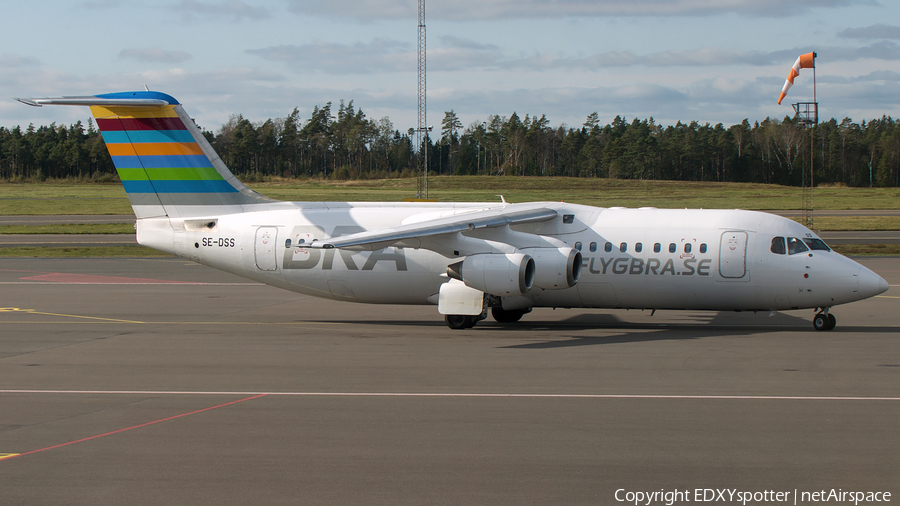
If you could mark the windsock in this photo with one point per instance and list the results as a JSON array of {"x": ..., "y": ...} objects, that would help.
[{"x": 804, "y": 61}]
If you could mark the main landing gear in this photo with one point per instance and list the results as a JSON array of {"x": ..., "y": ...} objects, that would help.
[
  {"x": 459, "y": 321},
  {"x": 824, "y": 320},
  {"x": 508, "y": 315}
]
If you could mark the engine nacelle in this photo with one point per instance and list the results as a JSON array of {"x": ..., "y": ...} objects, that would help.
[
  {"x": 496, "y": 274},
  {"x": 555, "y": 268}
]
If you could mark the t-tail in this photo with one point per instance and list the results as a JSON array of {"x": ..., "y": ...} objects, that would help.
[{"x": 166, "y": 165}]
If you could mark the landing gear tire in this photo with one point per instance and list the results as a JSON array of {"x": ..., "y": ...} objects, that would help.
[
  {"x": 460, "y": 321},
  {"x": 824, "y": 321},
  {"x": 507, "y": 316}
]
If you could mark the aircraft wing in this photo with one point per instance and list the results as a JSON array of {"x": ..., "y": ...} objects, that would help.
[{"x": 407, "y": 234}]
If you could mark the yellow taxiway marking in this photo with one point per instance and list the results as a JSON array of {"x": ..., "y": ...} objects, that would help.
[
  {"x": 7, "y": 455},
  {"x": 34, "y": 311},
  {"x": 114, "y": 320},
  {"x": 886, "y": 297}
]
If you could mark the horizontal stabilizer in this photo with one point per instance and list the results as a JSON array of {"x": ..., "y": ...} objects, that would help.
[{"x": 89, "y": 101}]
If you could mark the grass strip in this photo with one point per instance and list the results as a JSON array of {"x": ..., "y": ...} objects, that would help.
[
  {"x": 89, "y": 252},
  {"x": 70, "y": 228},
  {"x": 867, "y": 249},
  {"x": 855, "y": 223},
  {"x": 51, "y": 198}
]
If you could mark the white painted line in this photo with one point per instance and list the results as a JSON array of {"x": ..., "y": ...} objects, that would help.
[{"x": 460, "y": 395}]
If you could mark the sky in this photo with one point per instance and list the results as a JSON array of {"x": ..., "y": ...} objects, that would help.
[{"x": 715, "y": 61}]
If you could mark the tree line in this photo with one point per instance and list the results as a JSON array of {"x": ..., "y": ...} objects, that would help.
[{"x": 348, "y": 145}]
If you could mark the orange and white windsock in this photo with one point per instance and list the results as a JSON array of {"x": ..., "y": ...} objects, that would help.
[{"x": 805, "y": 61}]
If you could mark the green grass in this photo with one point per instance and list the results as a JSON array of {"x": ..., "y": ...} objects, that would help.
[
  {"x": 595, "y": 192},
  {"x": 67, "y": 252},
  {"x": 67, "y": 198},
  {"x": 855, "y": 223},
  {"x": 70, "y": 228},
  {"x": 62, "y": 198},
  {"x": 867, "y": 249}
]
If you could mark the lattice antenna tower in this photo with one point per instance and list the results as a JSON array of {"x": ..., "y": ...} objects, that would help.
[{"x": 421, "y": 128}]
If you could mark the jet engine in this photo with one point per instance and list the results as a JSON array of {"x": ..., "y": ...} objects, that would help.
[
  {"x": 497, "y": 274},
  {"x": 555, "y": 268}
]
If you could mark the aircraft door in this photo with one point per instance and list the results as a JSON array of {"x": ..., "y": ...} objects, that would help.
[
  {"x": 265, "y": 248},
  {"x": 733, "y": 255}
]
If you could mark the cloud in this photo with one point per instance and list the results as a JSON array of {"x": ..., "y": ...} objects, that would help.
[
  {"x": 461, "y": 54},
  {"x": 10, "y": 61},
  {"x": 883, "y": 50},
  {"x": 701, "y": 57},
  {"x": 154, "y": 55},
  {"x": 235, "y": 9},
  {"x": 877, "y": 76},
  {"x": 380, "y": 55},
  {"x": 462, "y": 43},
  {"x": 541, "y": 9},
  {"x": 878, "y": 31}
]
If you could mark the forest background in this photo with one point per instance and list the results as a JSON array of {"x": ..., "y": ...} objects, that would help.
[{"x": 350, "y": 146}]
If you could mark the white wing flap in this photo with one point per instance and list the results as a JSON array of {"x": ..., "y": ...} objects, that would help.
[{"x": 384, "y": 237}]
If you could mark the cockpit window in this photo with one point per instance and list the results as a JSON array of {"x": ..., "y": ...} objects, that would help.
[
  {"x": 795, "y": 246},
  {"x": 816, "y": 244},
  {"x": 778, "y": 246}
]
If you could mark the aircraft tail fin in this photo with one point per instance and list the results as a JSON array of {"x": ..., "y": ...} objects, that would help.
[{"x": 166, "y": 165}]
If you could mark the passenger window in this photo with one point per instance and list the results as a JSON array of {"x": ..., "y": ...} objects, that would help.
[
  {"x": 687, "y": 248},
  {"x": 593, "y": 247},
  {"x": 795, "y": 246},
  {"x": 287, "y": 243},
  {"x": 703, "y": 247},
  {"x": 623, "y": 247},
  {"x": 568, "y": 218},
  {"x": 816, "y": 244},
  {"x": 607, "y": 247},
  {"x": 657, "y": 247},
  {"x": 638, "y": 247},
  {"x": 671, "y": 247},
  {"x": 578, "y": 246},
  {"x": 778, "y": 246}
]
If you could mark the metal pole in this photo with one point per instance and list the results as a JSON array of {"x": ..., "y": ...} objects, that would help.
[
  {"x": 812, "y": 132},
  {"x": 423, "y": 124}
]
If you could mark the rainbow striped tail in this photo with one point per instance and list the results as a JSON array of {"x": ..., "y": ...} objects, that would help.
[{"x": 166, "y": 165}]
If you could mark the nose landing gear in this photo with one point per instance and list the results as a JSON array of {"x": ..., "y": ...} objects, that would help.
[{"x": 824, "y": 320}]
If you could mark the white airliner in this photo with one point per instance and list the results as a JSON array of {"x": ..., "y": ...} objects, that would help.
[{"x": 465, "y": 258}]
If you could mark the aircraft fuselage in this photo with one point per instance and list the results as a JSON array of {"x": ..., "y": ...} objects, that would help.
[{"x": 630, "y": 258}]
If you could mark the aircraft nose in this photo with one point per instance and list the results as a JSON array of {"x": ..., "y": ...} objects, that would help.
[{"x": 870, "y": 284}]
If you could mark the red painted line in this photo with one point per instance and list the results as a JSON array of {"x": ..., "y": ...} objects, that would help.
[{"x": 136, "y": 426}]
